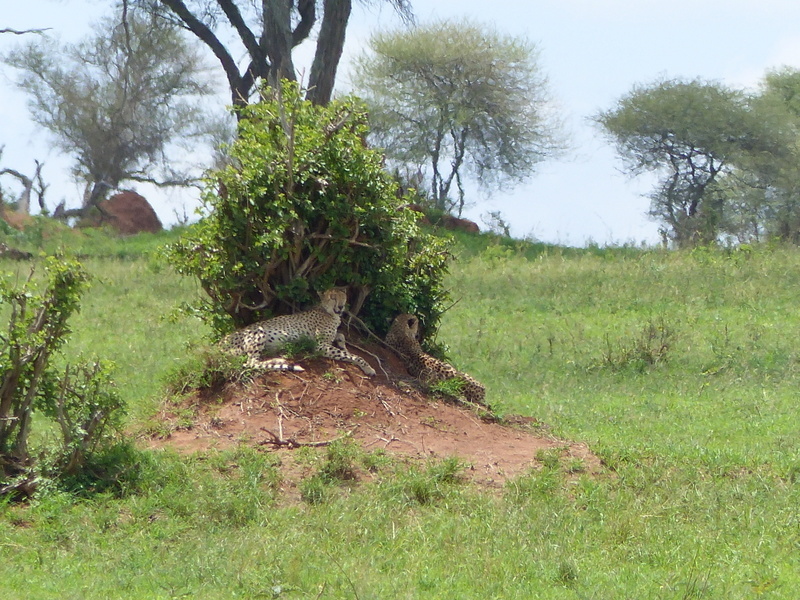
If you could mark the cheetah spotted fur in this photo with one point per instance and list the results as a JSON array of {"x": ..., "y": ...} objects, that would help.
[
  {"x": 402, "y": 337},
  {"x": 319, "y": 323}
]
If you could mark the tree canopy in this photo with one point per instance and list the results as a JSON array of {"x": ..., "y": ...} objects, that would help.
[
  {"x": 766, "y": 189},
  {"x": 460, "y": 99}
]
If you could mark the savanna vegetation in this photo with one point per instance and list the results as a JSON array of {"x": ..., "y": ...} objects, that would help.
[
  {"x": 304, "y": 205},
  {"x": 679, "y": 369}
]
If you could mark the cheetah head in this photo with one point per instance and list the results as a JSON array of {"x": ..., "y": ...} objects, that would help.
[
  {"x": 406, "y": 326},
  {"x": 333, "y": 301}
]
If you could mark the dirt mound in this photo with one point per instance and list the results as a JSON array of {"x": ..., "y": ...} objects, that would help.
[
  {"x": 448, "y": 221},
  {"x": 127, "y": 212},
  {"x": 285, "y": 410}
]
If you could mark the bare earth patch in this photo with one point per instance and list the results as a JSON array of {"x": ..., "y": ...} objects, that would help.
[{"x": 283, "y": 411}]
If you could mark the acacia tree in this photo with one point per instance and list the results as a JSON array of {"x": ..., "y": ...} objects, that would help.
[
  {"x": 767, "y": 185},
  {"x": 460, "y": 99},
  {"x": 116, "y": 101},
  {"x": 693, "y": 134},
  {"x": 267, "y": 32}
]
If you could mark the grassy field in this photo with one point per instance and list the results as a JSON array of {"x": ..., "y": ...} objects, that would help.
[{"x": 680, "y": 370}]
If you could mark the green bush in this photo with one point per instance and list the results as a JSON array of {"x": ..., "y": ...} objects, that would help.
[
  {"x": 88, "y": 411},
  {"x": 37, "y": 328},
  {"x": 302, "y": 206},
  {"x": 81, "y": 400}
]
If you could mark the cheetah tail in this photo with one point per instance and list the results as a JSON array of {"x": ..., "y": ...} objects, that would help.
[{"x": 281, "y": 364}]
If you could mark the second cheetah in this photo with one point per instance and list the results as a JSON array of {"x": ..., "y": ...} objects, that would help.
[{"x": 402, "y": 337}]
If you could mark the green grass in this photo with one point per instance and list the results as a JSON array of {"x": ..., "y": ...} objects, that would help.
[
  {"x": 680, "y": 370},
  {"x": 562, "y": 336}
]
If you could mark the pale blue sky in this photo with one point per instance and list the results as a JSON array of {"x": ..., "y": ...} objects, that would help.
[{"x": 593, "y": 52}]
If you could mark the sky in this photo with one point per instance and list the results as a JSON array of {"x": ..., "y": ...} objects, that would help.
[{"x": 593, "y": 52}]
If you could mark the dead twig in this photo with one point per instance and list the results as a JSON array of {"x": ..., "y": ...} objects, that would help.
[
  {"x": 386, "y": 407},
  {"x": 280, "y": 442},
  {"x": 365, "y": 328},
  {"x": 375, "y": 356}
]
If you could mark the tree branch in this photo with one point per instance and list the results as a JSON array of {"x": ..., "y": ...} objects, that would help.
[
  {"x": 308, "y": 16},
  {"x": 177, "y": 182},
  {"x": 24, "y": 31},
  {"x": 24, "y": 201},
  {"x": 202, "y": 31},
  {"x": 249, "y": 40}
]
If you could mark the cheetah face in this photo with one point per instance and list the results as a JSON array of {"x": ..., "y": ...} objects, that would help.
[{"x": 333, "y": 301}]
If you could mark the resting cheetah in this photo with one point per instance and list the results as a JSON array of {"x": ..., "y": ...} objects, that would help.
[
  {"x": 319, "y": 323},
  {"x": 402, "y": 337}
]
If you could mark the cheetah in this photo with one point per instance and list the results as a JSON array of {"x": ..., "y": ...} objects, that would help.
[
  {"x": 319, "y": 323},
  {"x": 402, "y": 337}
]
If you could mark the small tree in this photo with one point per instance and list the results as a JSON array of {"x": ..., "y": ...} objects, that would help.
[
  {"x": 117, "y": 101},
  {"x": 304, "y": 206},
  {"x": 82, "y": 400},
  {"x": 461, "y": 99},
  {"x": 692, "y": 134}
]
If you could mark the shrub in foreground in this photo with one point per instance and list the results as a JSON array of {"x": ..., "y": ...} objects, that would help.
[{"x": 81, "y": 400}]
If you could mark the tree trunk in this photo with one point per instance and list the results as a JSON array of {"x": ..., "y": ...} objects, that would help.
[
  {"x": 277, "y": 39},
  {"x": 239, "y": 91},
  {"x": 330, "y": 44}
]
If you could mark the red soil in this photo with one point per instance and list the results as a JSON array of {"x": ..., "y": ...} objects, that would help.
[{"x": 282, "y": 411}]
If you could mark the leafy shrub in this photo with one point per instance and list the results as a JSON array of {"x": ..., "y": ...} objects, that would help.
[
  {"x": 305, "y": 205},
  {"x": 88, "y": 411},
  {"x": 81, "y": 400},
  {"x": 37, "y": 328}
]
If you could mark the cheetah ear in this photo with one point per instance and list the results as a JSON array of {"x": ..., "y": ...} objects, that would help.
[
  {"x": 336, "y": 288},
  {"x": 412, "y": 321}
]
